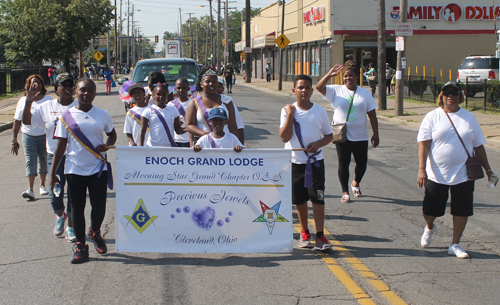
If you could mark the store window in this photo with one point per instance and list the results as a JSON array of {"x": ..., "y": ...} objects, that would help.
[
  {"x": 298, "y": 63},
  {"x": 305, "y": 61},
  {"x": 325, "y": 60},
  {"x": 289, "y": 58},
  {"x": 315, "y": 60}
]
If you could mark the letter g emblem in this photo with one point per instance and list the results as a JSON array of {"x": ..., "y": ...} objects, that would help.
[{"x": 140, "y": 217}]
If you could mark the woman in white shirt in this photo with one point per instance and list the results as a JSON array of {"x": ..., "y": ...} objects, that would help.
[
  {"x": 363, "y": 105},
  {"x": 86, "y": 167},
  {"x": 33, "y": 137},
  {"x": 442, "y": 168}
]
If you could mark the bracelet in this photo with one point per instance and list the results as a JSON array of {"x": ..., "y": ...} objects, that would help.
[{"x": 14, "y": 140}]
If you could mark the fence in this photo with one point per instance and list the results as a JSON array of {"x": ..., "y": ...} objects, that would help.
[
  {"x": 13, "y": 78},
  {"x": 421, "y": 88}
]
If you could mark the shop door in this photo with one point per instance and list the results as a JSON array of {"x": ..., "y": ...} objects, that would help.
[{"x": 258, "y": 63}]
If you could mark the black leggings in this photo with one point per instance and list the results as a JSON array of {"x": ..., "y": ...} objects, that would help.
[
  {"x": 359, "y": 150},
  {"x": 77, "y": 189},
  {"x": 229, "y": 83}
]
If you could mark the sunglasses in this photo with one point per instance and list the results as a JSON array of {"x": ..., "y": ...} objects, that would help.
[{"x": 452, "y": 92}]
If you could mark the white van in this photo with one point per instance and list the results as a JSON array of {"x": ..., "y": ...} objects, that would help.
[{"x": 474, "y": 70}]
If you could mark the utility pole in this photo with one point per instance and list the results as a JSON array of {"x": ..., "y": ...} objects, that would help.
[
  {"x": 197, "y": 45},
  {"x": 248, "y": 60},
  {"x": 226, "y": 34},
  {"x": 128, "y": 33},
  {"x": 133, "y": 35},
  {"x": 381, "y": 59},
  {"x": 206, "y": 41},
  {"x": 108, "y": 52},
  {"x": 280, "y": 82},
  {"x": 217, "y": 43},
  {"x": 121, "y": 33},
  {"x": 190, "y": 37},
  {"x": 116, "y": 34},
  {"x": 398, "y": 108},
  {"x": 211, "y": 35},
  {"x": 180, "y": 31}
]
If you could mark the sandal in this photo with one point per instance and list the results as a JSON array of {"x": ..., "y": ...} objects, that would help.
[
  {"x": 345, "y": 198},
  {"x": 356, "y": 191}
]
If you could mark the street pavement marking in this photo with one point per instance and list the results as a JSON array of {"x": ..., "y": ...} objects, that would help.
[
  {"x": 343, "y": 277},
  {"x": 361, "y": 268}
]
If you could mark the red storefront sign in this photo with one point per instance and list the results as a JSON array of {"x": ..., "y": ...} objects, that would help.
[
  {"x": 451, "y": 12},
  {"x": 314, "y": 15}
]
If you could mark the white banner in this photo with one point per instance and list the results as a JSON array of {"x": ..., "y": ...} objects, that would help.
[{"x": 215, "y": 201}]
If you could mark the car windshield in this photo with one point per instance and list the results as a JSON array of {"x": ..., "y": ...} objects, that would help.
[
  {"x": 172, "y": 71},
  {"x": 479, "y": 63}
]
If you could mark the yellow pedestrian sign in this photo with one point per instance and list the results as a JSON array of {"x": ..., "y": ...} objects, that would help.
[
  {"x": 243, "y": 55},
  {"x": 282, "y": 41},
  {"x": 98, "y": 56}
]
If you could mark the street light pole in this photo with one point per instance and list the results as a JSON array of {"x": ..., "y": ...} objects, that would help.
[
  {"x": 217, "y": 43},
  {"x": 280, "y": 82},
  {"x": 211, "y": 34},
  {"x": 190, "y": 36},
  {"x": 226, "y": 34},
  {"x": 248, "y": 60}
]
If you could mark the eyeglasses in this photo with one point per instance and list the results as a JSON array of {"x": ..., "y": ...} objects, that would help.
[{"x": 452, "y": 92}]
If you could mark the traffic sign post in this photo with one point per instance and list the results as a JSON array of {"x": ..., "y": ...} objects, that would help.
[
  {"x": 404, "y": 29},
  {"x": 282, "y": 41},
  {"x": 98, "y": 56}
]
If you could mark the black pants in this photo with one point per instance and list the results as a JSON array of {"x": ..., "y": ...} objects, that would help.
[
  {"x": 359, "y": 150},
  {"x": 373, "y": 86},
  {"x": 388, "y": 84},
  {"x": 98, "y": 188},
  {"x": 268, "y": 77},
  {"x": 229, "y": 83}
]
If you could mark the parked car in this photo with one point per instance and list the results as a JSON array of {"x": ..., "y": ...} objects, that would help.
[
  {"x": 474, "y": 70},
  {"x": 122, "y": 80},
  {"x": 172, "y": 69}
]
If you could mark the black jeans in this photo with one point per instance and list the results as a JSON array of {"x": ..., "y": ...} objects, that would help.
[
  {"x": 268, "y": 77},
  {"x": 373, "y": 85},
  {"x": 98, "y": 188},
  {"x": 359, "y": 149}
]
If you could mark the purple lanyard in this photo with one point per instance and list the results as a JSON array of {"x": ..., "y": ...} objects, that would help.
[
  {"x": 179, "y": 107},
  {"x": 80, "y": 137},
  {"x": 308, "y": 178},
  {"x": 211, "y": 140},
  {"x": 162, "y": 120}
]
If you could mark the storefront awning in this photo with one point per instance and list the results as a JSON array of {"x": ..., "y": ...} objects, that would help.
[{"x": 259, "y": 42}]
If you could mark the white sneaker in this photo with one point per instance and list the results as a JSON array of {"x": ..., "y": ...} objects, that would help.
[
  {"x": 426, "y": 239},
  {"x": 43, "y": 190},
  {"x": 59, "y": 227},
  {"x": 456, "y": 250},
  {"x": 70, "y": 235},
  {"x": 28, "y": 194}
]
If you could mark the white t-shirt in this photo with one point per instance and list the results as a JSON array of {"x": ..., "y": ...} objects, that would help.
[
  {"x": 46, "y": 116},
  {"x": 229, "y": 140},
  {"x": 132, "y": 127},
  {"x": 340, "y": 97},
  {"x": 18, "y": 116},
  {"x": 226, "y": 99},
  {"x": 181, "y": 138},
  {"x": 447, "y": 156},
  {"x": 93, "y": 124},
  {"x": 157, "y": 133},
  {"x": 200, "y": 122},
  {"x": 314, "y": 124}
]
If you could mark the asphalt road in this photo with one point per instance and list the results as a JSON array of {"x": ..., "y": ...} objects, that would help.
[{"x": 377, "y": 257}]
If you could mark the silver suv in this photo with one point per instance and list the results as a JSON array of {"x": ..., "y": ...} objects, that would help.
[{"x": 474, "y": 70}]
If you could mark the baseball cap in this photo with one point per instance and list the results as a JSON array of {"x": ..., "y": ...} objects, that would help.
[
  {"x": 134, "y": 86},
  {"x": 217, "y": 113},
  {"x": 61, "y": 78},
  {"x": 451, "y": 84}
]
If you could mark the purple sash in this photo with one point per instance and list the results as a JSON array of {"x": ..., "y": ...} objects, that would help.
[
  {"x": 308, "y": 178},
  {"x": 179, "y": 107},
  {"x": 203, "y": 112},
  {"x": 162, "y": 120},
  {"x": 77, "y": 133},
  {"x": 211, "y": 140},
  {"x": 135, "y": 114}
]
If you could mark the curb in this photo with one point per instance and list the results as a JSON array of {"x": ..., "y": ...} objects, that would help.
[{"x": 289, "y": 95}]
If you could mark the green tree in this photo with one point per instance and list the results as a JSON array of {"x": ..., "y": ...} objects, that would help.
[{"x": 35, "y": 30}]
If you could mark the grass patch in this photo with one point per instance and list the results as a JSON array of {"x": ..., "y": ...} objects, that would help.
[
  {"x": 411, "y": 121},
  {"x": 409, "y": 113},
  {"x": 388, "y": 116},
  {"x": 8, "y": 95},
  {"x": 481, "y": 110}
]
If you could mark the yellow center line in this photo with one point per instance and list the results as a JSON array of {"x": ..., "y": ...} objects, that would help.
[
  {"x": 206, "y": 184},
  {"x": 361, "y": 268},
  {"x": 343, "y": 277}
]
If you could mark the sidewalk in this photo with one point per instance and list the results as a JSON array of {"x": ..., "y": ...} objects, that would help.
[{"x": 413, "y": 112}]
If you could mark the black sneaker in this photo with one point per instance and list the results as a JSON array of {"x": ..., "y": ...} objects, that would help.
[
  {"x": 99, "y": 243},
  {"x": 81, "y": 253}
]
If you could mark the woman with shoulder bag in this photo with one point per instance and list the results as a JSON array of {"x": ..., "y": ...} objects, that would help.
[
  {"x": 371, "y": 77},
  {"x": 351, "y": 105},
  {"x": 447, "y": 137}
]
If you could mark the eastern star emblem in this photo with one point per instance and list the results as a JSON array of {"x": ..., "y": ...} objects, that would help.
[
  {"x": 140, "y": 218},
  {"x": 270, "y": 216}
]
